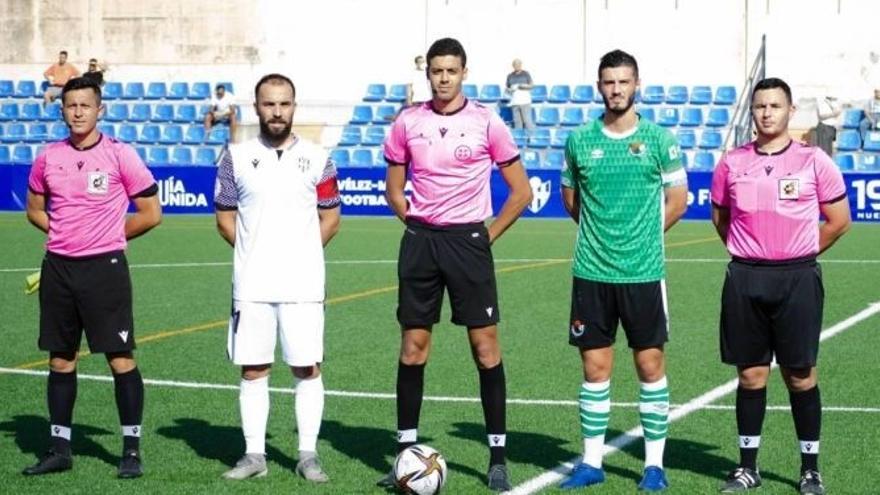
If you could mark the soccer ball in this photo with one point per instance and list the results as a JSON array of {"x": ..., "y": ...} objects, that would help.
[{"x": 421, "y": 470}]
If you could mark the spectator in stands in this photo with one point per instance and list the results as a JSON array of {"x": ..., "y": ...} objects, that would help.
[
  {"x": 222, "y": 110},
  {"x": 871, "y": 120},
  {"x": 519, "y": 86},
  {"x": 58, "y": 74},
  {"x": 419, "y": 89},
  {"x": 96, "y": 71},
  {"x": 827, "y": 110}
]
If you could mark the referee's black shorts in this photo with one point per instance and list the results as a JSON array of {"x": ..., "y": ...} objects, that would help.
[
  {"x": 455, "y": 257},
  {"x": 91, "y": 294},
  {"x": 772, "y": 308}
]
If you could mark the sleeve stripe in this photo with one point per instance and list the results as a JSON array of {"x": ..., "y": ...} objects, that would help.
[
  {"x": 720, "y": 207},
  {"x": 222, "y": 207},
  {"x": 833, "y": 200},
  {"x": 678, "y": 176},
  {"x": 511, "y": 161},
  {"x": 146, "y": 193},
  {"x": 394, "y": 163}
]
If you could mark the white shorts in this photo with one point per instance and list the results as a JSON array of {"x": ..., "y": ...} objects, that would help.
[{"x": 253, "y": 326}]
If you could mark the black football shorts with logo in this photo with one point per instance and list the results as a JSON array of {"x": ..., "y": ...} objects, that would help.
[{"x": 90, "y": 294}]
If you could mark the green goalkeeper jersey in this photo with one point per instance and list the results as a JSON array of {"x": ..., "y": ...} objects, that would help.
[{"x": 619, "y": 180}]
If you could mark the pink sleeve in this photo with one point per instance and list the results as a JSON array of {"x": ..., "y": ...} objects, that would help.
[
  {"x": 135, "y": 176},
  {"x": 720, "y": 190},
  {"x": 502, "y": 147},
  {"x": 830, "y": 187},
  {"x": 36, "y": 179},
  {"x": 396, "y": 151}
]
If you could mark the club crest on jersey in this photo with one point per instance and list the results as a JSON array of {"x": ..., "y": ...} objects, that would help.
[
  {"x": 463, "y": 153},
  {"x": 98, "y": 182},
  {"x": 577, "y": 328},
  {"x": 637, "y": 148},
  {"x": 789, "y": 189}
]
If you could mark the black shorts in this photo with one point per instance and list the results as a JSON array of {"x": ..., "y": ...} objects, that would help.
[
  {"x": 455, "y": 257},
  {"x": 772, "y": 309},
  {"x": 598, "y": 307},
  {"x": 92, "y": 294}
]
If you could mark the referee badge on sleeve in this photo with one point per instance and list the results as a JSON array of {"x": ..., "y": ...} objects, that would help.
[{"x": 789, "y": 189}]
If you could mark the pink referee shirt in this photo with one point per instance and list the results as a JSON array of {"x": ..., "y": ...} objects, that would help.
[
  {"x": 87, "y": 194},
  {"x": 774, "y": 199},
  {"x": 450, "y": 160}
]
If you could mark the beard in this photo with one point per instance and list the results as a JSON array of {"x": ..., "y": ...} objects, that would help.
[
  {"x": 272, "y": 135},
  {"x": 619, "y": 111}
]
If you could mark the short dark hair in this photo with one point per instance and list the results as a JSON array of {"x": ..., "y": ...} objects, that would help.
[
  {"x": 772, "y": 83},
  {"x": 63, "y": 52},
  {"x": 618, "y": 58},
  {"x": 82, "y": 83},
  {"x": 218, "y": 86},
  {"x": 275, "y": 78},
  {"x": 93, "y": 61},
  {"x": 447, "y": 46}
]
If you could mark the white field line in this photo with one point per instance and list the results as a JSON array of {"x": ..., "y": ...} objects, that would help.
[
  {"x": 201, "y": 264},
  {"x": 387, "y": 396},
  {"x": 697, "y": 403}
]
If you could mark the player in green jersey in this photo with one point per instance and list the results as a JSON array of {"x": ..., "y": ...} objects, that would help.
[{"x": 624, "y": 185}]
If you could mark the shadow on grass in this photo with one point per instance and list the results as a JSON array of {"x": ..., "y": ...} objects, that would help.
[
  {"x": 370, "y": 446},
  {"x": 32, "y": 437}
]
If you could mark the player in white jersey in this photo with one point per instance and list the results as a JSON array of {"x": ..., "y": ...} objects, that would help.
[{"x": 277, "y": 204}]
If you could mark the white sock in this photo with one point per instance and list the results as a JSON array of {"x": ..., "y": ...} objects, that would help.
[
  {"x": 654, "y": 416},
  {"x": 253, "y": 399},
  {"x": 309, "y": 410}
]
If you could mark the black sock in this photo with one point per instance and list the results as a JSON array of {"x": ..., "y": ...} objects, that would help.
[
  {"x": 750, "y": 408},
  {"x": 806, "y": 409},
  {"x": 129, "y": 387},
  {"x": 493, "y": 395},
  {"x": 410, "y": 389},
  {"x": 61, "y": 395}
]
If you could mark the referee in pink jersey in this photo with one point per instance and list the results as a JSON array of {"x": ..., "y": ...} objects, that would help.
[
  {"x": 766, "y": 199},
  {"x": 447, "y": 147},
  {"x": 79, "y": 191}
]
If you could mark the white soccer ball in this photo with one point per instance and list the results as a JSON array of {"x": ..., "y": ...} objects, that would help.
[{"x": 421, "y": 470}]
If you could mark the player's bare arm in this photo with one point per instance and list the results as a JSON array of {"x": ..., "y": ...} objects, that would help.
[
  {"x": 148, "y": 214},
  {"x": 329, "y": 220},
  {"x": 226, "y": 225},
  {"x": 837, "y": 222},
  {"x": 520, "y": 196},
  {"x": 572, "y": 203},
  {"x": 721, "y": 220},
  {"x": 395, "y": 180},
  {"x": 36, "y": 211},
  {"x": 675, "y": 198}
]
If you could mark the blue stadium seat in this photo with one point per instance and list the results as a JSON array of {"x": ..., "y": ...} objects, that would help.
[
  {"x": 22, "y": 154},
  {"x": 872, "y": 141},
  {"x": 14, "y": 133},
  {"x": 112, "y": 90},
  {"x": 230, "y": 88},
  {"x": 506, "y": 114},
  {"x": 351, "y": 136},
  {"x": 206, "y": 156},
  {"x": 384, "y": 114},
  {"x": 845, "y": 161},
  {"x": 142, "y": 152},
  {"x": 37, "y": 133},
  {"x": 156, "y": 91},
  {"x": 26, "y": 89},
  {"x": 687, "y": 139},
  {"x": 362, "y": 114},
  {"x": 9, "y": 111},
  {"x": 219, "y": 135},
  {"x": 691, "y": 117},
  {"x": 653, "y": 95},
  {"x": 7, "y": 90},
  {"x": 710, "y": 140},
  {"x": 687, "y": 159},
  {"x": 554, "y": 160},
  {"x": 548, "y": 116},
  {"x": 199, "y": 91},
  {"x": 701, "y": 95},
  {"x": 595, "y": 113},
  {"x": 178, "y": 91},
  {"x": 150, "y": 134},
  {"x": 116, "y": 112},
  {"x": 374, "y": 136},
  {"x": 648, "y": 114},
  {"x": 582, "y": 94},
  {"x": 469, "y": 91},
  {"x": 181, "y": 155},
  {"x": 867, "y": 162},
  {"x": 704, "y": 160},
  {"x": 163, "y": 112},
  {"x": 375, "y": 92},
  {"x": 140, "y": 112},
  {"x": 171, "y": 134},
  {"x": 107, "y": 129},
  {"x": 852, "y": 118},
  {"x": 849, "y": 140},
  {"x": 559, "y": 138},
  {"x": 539, "y": 138},
  {"x": 490, "y": 93},
  {"x": 60, "y": 131},
  {"x": 677, "y": 95},
  {"x": 127, "y": 133},
  {"x": 340, "y": 157},
  {"x": 362, "y": 157},
  {"x": 195, "y": 134},
  {"x": 725, "y": 95},
  {"x": 51, "y": 112},
  {"x": 559, "y": 93},
  {"x": 539, "y": 93},
  {"x": 573, "y": 116},
  {"x": 5, "y": 155},
  {"x": 718, "y": 117},
  {"x": 396, "y": 93},
  {"x": 185, "y": 114},
  {"x": 668, "y": 117},
  {"x": 531, "y": 159},
  {"x": 31, "y": 111},
  {"x": 520, "y": 137},
  {"x": 133, "y": 91},
  {"x": 157, "y": 155}
]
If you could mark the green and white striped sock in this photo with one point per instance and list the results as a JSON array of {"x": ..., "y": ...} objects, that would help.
[
  {"x": 595, "y": 405},
  {"x": 654, "y": 416}
]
